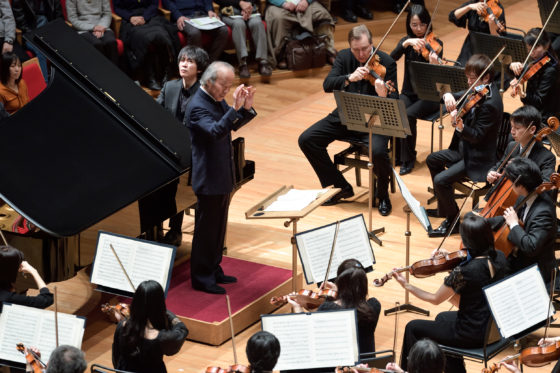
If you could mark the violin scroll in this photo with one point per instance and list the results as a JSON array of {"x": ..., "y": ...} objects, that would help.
[{"x": 553, "y": 123}]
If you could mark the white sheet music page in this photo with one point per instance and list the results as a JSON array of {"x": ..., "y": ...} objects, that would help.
[
  {"x": 314, "y": 340},
  {"x": 412, "y": 202},
  {"x": 36, "y": 327},
  {"x": 295, "y": 200},
  {"x": 142, "y": 260},
  {"x": 315, "y": 246},
  {"x": 519, "y": 301}
]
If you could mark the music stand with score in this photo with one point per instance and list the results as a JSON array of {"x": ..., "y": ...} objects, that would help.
[
  {"x": 490, "y": 45},
  {"x": 545, "y": 7},
  {"x": 431, "y": 82},
  {"x": 374, "y": 115}
]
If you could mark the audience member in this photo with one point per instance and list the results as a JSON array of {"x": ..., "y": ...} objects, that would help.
[
  {"x": 13, "y": 89},
  {"x": 92, "y": 18},
  {"x": 8, "y": 31}
]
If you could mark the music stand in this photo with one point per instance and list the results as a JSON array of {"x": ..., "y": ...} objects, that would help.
[
  {"x": 490, "y": 45},
  {"x": 431, "y": 82},
  {"x": 374, "y": 115},
  {"x": 545, "y": 7}
]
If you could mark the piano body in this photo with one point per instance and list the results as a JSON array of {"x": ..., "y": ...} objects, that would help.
[{"x": 83, "y": 152}]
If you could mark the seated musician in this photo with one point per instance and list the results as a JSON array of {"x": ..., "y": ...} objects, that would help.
[
  {"x": 473, "y": 147},
  {"x": 13, "y": 89},
  {"x": 263, "y": 350},
  {"x": 462, "y": 288},
  {"x": 525, "y": 123},
  {"x": 533, "y": 228},
  {"x": 151, "y": 332},
  {"x": 424, "y": 357},
  {"x": 63, "y": 359},
  {"x": 513, "y": 367},
  {"x": 349, "y": 74},
  {"x": 11, "y": 263},
  {"x": 543, "y": 87},
  {"x": 411, "y": 46},
  {"x": 352, "y": 288}
]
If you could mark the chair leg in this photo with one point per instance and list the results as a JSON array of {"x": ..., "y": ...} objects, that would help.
[
  {"x": 432, "y": 138},
  {"x": 358, "y": 171}
]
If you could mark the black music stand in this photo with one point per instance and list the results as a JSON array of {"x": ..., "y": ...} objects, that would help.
[
  {"x": 431, "y": 82},
  {"x": 374, "y": 115},
  {"x": 545, "y": 7},
  {"x": 490, "y": 45}
]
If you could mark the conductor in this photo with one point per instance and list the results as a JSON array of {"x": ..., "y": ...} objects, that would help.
[{"x": 210, "y": 121}]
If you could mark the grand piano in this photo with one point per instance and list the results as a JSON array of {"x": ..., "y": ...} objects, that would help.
[{"x": 82, "y": 153}]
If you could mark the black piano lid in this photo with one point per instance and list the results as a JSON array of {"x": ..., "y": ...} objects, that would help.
[{"x": 74, "y": 155}]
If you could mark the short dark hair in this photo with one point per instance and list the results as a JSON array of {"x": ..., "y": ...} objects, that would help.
[
  {"x": 526, "y": 170},
  {"x": 527, "y": 116},
  {"x": 477, "y": 236},
  {"x": 5, "y": 63},
  {"x": 476, "y": 65},
  {"x": 10, "y": 261},
  {"x": 422, "y": 13},
  {"x": 263, "y": 350},
  {"x": 426, "y": 357},
  {"x": 356, "y": 33},
  {"x": 197, "y": 54},
  {"x": 531, "y": 37},
  {"x": 66, "y": 359}
]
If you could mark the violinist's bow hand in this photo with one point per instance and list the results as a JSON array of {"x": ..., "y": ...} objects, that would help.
[{"x": 449, "y": 102}]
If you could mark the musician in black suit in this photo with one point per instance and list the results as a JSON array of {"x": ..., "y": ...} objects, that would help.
[
  {"x": 210, "y": 121},
  {"x": 525, "y": 123},
  {"x": 533, "y": 228},
  {"x": 349, "y": 74},
  {"x": 473, "y": 147},
  {"x": 174, "y": 97}
]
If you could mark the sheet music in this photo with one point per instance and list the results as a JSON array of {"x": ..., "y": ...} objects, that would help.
[
  {"x": 413, "y": 203},
  {"x": 295, "y": 200},
  {"x": 205, "y": 23},
  {"x": 519, "y": 302},
  {"x": 314, "y": 247},
  {"x": 306, "y": 342},
  {"x": 143, "y": 260},
  {"x": 36, "y": 327}
]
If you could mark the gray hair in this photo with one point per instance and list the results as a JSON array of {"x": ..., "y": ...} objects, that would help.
[
  {"x": 211, "y": 73},
  {"x": 67, "y": 359}
]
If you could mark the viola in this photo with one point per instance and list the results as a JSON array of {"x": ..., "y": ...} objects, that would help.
[
  {"x": 493, "y": 8},
  {"x": 431, "y": 45},
  {"x": 528, "y": 74},
  {"x": 32, "y": 359},
  {"x": 428, "y": 267},
  {"x": 540, "y": 355},
  {"x": 378, "y": 71},
  {"x": 306, "y": 298},
  {"x": 120, "y": 308}
]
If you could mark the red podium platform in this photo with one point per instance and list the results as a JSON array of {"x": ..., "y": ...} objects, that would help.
[{"x": 206, "y": 315}]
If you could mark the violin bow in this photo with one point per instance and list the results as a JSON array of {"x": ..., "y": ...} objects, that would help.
[
  {"x": 456, "y": 219},
  {"x": 387, "y": 33},
  {"x": 398, "y": 308},
  {"x": 503, "y": 196},
  {"x": 231, "y": 328},
  {"x": 550, "y": 302},
  {"x": 431, "y": 20},
  {"x": 332, "y": 252},
  {"x": 506, "y": 159},
  {"x": 122, "y": 267},
  {"x": 468, "y": 91}
]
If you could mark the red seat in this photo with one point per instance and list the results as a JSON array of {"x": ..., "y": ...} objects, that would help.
[{"x": 31, "y": 73}]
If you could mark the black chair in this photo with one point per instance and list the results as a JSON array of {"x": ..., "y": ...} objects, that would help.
[
  {"x": 96, "y": 368},
  {"x": 493, "y": 345}
]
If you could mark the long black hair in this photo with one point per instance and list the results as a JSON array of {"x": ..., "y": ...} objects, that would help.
[
  {"x": 426, "y": 357},
  {"x": 263, "y": 350},
  {"x": 477, "y": 236},
  {"x": 10, "y": 261},
  {"x": 5, "y": 62},
  {"x": 351, "y": 281},
  {"x": 423, "y": 15},
  {"x": 148, "y": 304}
]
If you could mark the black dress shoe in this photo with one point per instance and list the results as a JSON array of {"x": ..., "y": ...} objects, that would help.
[
  {"x": 406, "y": 168},
  {"x": 173, "y": 237},
  {"x": 433, "y": 213},
  {"x": 443, "y": 229},
  {"x": 384, "y": 206},
  {"x": 349, "y": 16},
  {"x": 346, "y": 192},
  {"x": 225, "y": 279},
  {"x": 363, "y": 12},
  {"x": 212, "y": 289}
]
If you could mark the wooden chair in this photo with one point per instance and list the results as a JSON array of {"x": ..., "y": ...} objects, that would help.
[{"x": 31, "y": 73}]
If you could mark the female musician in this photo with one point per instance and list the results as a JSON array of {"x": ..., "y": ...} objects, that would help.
[
  {"x": 470, "y": 12},
  {"x": 151, "y": 332},
  {"x": 352, "y": 287},
  {"x": 463, "y": 288},
  {"x": 411, "y": 46},
  {"x": 11, "y": 263},
  {"x": 263, "y": 350},
  {"x": 13, "y": 89},
  {"x": 424, "y": 357},
  {"x": 543, "y": 87}
]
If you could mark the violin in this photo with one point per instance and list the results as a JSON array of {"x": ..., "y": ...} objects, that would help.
[
  {"x": 428, "y": 267},
  {"x": 110, "y": 310},
  {"x": 431, "y": 45},
  {"x": 32, "y": 359},
  {"x": 235, "y": 368},
  {"x": 472, "y": 99},
  {"x": 528, "y": 74},
  {"x": 361, "y": 370},
  {"x": 306, "y": 298},
  {"x": 493, "y": 8},
  {"x": 378, "y": 71},
  {"x": 531, "y": 356}
]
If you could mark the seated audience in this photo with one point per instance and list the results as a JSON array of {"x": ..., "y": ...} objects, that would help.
[
  {"x": 92, "y": 18},
  {"x": 8, "y": 31},
  {"x": 13, "y": 89},
  {"x": 353, "y": 8}
]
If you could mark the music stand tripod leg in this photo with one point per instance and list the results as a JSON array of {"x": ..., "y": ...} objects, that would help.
[
  {"x": 372, "y": 233},
  {"x": 407, "y": 307}
]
